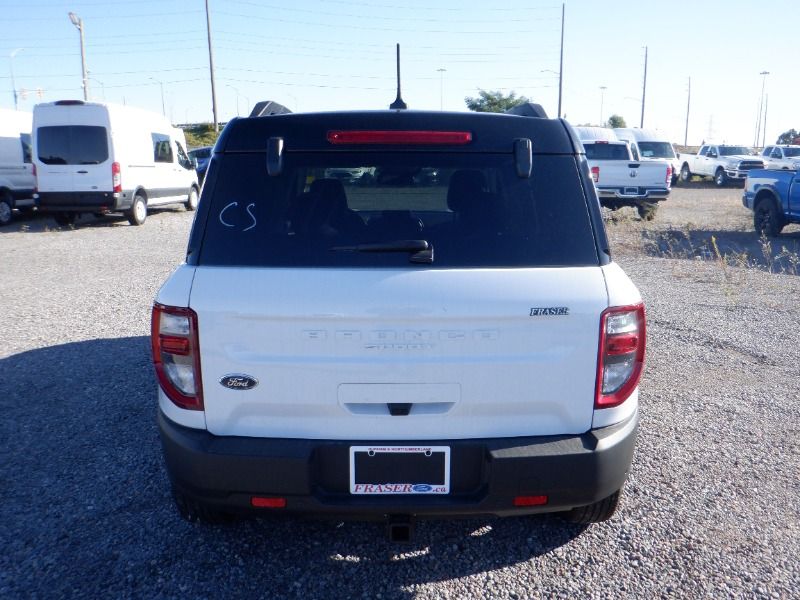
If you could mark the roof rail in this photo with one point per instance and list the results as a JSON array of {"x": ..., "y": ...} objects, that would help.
[
  {"x": 266, "y": 108},
  {"x": 528, "y": 109}
]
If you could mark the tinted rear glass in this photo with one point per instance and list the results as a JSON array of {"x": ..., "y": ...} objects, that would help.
[
  {"x": 72, "y": 145},
  {"x": 656, "y": 150},
  {"x": 606, "y": 152},
  {"x": 472, "y": 208}
]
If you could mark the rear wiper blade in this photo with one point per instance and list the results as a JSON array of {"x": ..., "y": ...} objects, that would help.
[
  {"x": 393, "y": 246},
  {"x": 421, "y": 250}
]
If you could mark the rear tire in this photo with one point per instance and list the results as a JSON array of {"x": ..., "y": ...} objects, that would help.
[
  {"x": 766, "y": 218},
  {"x": 192, "y": 200},
  {"x": 138, "y": 211},
  {"x": 600, "y": 511},
  {"x": 720, "y": 178},
  {"x": 647, "y": 210},
  {"x": 196, "y": 512},
  {"x": 64, "y": 219},
  {"x": 5, "y": 209}
]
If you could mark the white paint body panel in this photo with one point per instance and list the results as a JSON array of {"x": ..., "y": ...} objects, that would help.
[
  {"x": 461, "y": 345},
  {"x": 15, "y": 173}
]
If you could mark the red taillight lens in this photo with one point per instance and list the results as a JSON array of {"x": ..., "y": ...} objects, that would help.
[
  {"x": 595, "y": 174},
  {"x": 530, "y": 500},
  {"x": 176, "y": 355},
  {"x": 264, "y": 502},
  {"x": 669, "y": 175},
  {"x": 116, "y": 177},
  {"x": 423, "y": 138},
  {"x": 621, "y": 355}
]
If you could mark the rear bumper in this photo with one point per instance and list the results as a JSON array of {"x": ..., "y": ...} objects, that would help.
[
  {"x": 313, "y": 475},
  {"x": 83, "y": 201},
  {"x": 654, "y": 194}
]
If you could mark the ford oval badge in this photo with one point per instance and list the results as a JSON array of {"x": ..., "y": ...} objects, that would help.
[{"x": 238, "y": 381}]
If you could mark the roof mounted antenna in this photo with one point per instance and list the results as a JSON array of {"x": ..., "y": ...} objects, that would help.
[{"x": 398, "y": 103}]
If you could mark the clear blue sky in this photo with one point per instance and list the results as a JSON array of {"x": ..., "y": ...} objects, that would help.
[{"x": 339, "y": 54}]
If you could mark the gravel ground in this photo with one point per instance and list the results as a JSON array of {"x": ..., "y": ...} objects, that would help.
[{"x": 712, "y": 508}]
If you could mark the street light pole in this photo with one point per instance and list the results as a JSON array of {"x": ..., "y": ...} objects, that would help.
[
  {"x": 441, "y": 72},
  {"x": 688, "y": 101},
  {"x": 602, "y": 97},
  {"x": 211, "y": 68},
  {"x": 237, "y": 97},
  {"x": 159, "y": 82},
  {"x": 78, "y": 22},
  {"x": 13, "y": 83},
  {"x": 644, "y": 86},
  {"x": 760, "y": 106}
]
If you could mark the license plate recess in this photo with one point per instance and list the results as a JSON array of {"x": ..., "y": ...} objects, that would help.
[{"x": 398, "y": 470}]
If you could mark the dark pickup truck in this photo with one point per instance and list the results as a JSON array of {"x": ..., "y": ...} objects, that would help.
[{"x": 774, "y": 198}]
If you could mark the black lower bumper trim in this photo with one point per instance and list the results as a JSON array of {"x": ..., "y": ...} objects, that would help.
[{"x": 313, "y": 475}]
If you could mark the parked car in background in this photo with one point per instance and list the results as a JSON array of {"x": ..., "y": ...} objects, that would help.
[
  {"x": 782, "y": 157},
  {"x": 623, "y": 181},
  {"x": 774, "y": 197},
  {"x": 201, "y": 156},
  {"x": 723, "y": 163},
  {"x": 17, "y": 177},
  {"x": 104, "y": 158},
  {"x": 651, "y": 145}
]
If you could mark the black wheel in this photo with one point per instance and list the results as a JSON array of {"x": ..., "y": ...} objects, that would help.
[
  {"x": 686, "y": 174},
  {"x": 720, "y": 178},
  {"x": 602, "y": 510},
  {"x": 5, "y": 209},
  {"x": 647, "y": 210},
  {"x": 192, "y": 200},
  {"x": 194, "y": 511},
  {"x": 65, "y": 218},
  {"x": 137, "y": 214},
  {"x": 766, "y": 218}
]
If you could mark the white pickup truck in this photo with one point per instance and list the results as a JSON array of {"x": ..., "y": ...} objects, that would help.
[
  {"x": 723, "y": 163},
  {"x": 622, "y": 181}
]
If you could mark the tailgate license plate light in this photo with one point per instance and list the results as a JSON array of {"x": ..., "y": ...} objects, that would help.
[{"x": 393, "y": 470}]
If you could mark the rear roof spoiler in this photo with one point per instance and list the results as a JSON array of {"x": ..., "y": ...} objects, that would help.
[
  {"x": 266, "y": 108},
  {"x": 528, "y": 109}
]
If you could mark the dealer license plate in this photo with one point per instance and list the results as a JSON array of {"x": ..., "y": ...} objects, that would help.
[{"x": 388, "y": 470}]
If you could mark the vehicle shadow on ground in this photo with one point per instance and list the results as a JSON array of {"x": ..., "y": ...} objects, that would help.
[
  {"x": 86, "y": 505},
  {"x": 735, "y": 248},
  {"x": 38, "y": 222}
]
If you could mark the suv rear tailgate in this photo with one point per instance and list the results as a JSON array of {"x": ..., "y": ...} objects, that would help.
[{"x": 465, "y": 348}]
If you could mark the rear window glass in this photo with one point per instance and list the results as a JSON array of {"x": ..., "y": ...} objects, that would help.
[
  {"x": 348, "y": 210},
  {"x": 656, "y": 150},
  {"x": 606, "y": 152},
  {"x": 72, "y": 145}
]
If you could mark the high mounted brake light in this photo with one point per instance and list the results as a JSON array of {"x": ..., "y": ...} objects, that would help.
[
  {"x": 176, "y": 355},
  {"x": 621, "y": 354},
  {"x": 421, "y": 138}
]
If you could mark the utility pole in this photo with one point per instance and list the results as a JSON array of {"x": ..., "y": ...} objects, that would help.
[
  {"x": 441, "y": 71},
  {"x": 644, "y": 86},
  {"x": 161, "y": 83},
  {"x": 688, "y": 102},
  {"x": 766, "y": 106},
  {"x": 13, "y": 83},
  {"x": 561, "y": 62},
  {"x": 760, "y": 106},
  {"x": 211, "y": 69},
  {"x": 78, "y": 22}
]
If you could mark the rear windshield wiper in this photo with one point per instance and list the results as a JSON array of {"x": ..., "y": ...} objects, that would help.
[{"x": 422, "y": 250}]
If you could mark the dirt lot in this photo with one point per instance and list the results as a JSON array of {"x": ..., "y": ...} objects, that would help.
[{"x": 711, "y": 509}]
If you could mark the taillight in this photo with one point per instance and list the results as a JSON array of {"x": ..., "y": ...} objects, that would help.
[
  {"x": 176, "y": 355},
  {"x": 116, "y": 177},
  {"x": 595, "y": 174},
  {"x": 669, "y": 175},
  {"x": 35, "y": 179},
  {"x": 621, "y": 354}
]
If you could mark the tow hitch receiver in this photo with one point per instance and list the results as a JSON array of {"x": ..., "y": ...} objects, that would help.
[{"x": 400, "y": 528}]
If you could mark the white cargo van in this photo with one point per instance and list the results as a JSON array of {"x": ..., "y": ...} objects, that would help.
[
  {"x": 102, "y": 158},
  {"x": 652, "y": 145},
  {"x": 17, "y": 178}
]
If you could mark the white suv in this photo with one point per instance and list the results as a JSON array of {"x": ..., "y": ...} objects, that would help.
[{"x": 399, "y": 346}]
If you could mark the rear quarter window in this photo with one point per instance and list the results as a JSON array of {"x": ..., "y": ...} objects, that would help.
[{"x": 472, "y": 208}]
